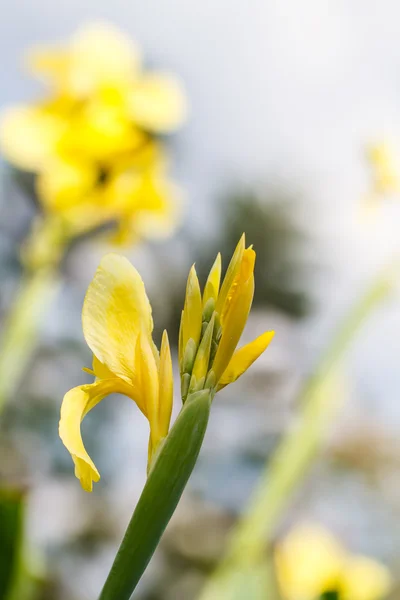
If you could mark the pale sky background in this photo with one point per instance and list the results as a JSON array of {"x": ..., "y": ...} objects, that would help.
[{"x": 276, "y": 87}]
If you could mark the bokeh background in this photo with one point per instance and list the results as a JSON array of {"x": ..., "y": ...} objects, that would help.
[{"x": 285, "y": 98}]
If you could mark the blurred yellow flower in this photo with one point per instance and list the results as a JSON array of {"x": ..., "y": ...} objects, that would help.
[
  {"x": 92, "y": 142},
  {"x": 385, "y": 170},
  {"x": 117, "y": 325},
  {"x": 212, "y": 324},
  {"x": 364, "y": 579},
  {"x": 310, "y": 562}
]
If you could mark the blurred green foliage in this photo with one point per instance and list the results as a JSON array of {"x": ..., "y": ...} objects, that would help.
[
  {"x": 282, "y": 266},
  {"x": 270, "y": 225}
]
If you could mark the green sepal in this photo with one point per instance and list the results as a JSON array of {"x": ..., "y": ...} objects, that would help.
[{"x": 165, "y": 484}]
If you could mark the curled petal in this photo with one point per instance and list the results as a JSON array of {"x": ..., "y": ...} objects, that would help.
[
  {"x": 244, "y": 358},
  {"x": 76, "y": 404},
  {"x": 115, "y": 310}
]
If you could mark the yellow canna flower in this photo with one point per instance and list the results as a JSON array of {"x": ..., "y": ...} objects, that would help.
[
  {"x": 212, "y": 324},
  {"x": 92, "y": 142},
  {"x": 310, "y": 562},
  {"x": 117, "y": 325}
]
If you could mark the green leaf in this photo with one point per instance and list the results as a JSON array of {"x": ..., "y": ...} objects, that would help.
[
  {"x": 11, "y": 531},
  {"x": 164, "y": 487}
]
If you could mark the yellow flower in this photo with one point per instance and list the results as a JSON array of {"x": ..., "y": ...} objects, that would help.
[
  {"x": 310, "y": 562},
  {"x": 212, "y": 324},
  {"x": 91, "y": 143},
  {"x": 117, "y": 326},
  {"x": 364, "y": 579}
]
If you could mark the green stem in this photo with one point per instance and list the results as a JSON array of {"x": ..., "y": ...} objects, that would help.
[
  {"x": 296, "y": 452},
  {"x": 19, "y": 336},
  {"x": 160, "y": 496}
]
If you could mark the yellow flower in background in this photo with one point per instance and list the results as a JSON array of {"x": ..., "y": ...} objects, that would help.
[
  {"x": 212, "y": 324},
  {"x": 117, "y": 325},
  {"x": 308, "y": 562},
  {"x": 364, "y": 579},
  {"x": 311, "y": 562},
  {"x": 92, "y": 141},
  {"x": 385, "y": 170}
]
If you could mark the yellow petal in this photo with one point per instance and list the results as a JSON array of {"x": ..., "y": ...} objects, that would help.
[
  {"x": 384, "y": 163},
  {"x": 308, "y": 563},
  {"x": 115, "y": 310},
  {"x": 98, "y": 55},
  {"x": 166, "y": 386},
  {"x": 244, "y": 358},
  {"x": 211, "y": 288},
  {"x": 192, "y": 311},
  {"x": 63, "y": 184},
  {"x": 158, "y": 103},
  {"x": 160, "y": 211},
  {"x": 76, "y": 404},
  {"x": 52, "y": 63},
  {"x": 29, "y": 136},
  {"x": 100, "y": 371},
  {"x": 101, "y": 55},
  {"x": 149, "y": 206},
  {"x": 231, "y": 274},
  {"x": 146, "y": 379},
  {"x": 235, "y": 312},
  {"x": 101, "y": 131},
  {"x": 364, "y": 579}
]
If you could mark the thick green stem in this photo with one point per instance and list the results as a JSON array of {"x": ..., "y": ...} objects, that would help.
[
  {"x": 164, "y": 487},
  {"x": 296, "y": 452},
  {"x": 19, "y": 333}
]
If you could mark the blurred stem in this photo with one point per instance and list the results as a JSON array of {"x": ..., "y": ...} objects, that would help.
[
  {"x": 19, "y": 336},
  {"x": 41, "y": 255},
  {"x": 296, "y": 452}
]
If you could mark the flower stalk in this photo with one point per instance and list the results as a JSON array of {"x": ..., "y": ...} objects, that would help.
[{"x": 167, "y": 480}]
